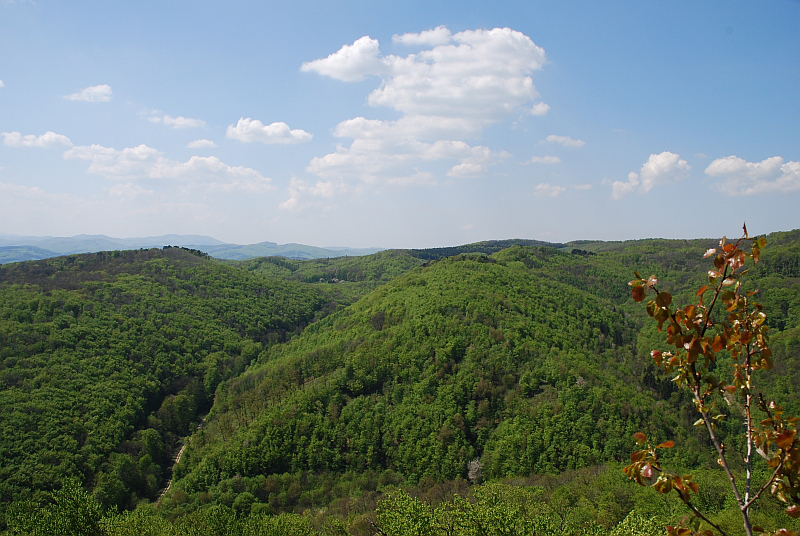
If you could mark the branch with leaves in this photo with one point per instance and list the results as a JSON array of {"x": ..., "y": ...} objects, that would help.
[{"x": 698, "y": 335}]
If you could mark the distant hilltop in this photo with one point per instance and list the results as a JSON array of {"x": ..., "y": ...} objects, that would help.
[{"x": 14, "y": 248}]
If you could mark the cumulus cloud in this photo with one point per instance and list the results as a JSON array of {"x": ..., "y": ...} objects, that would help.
[
  {"x": 47, "y": 140},
  {"x": 438, "y": 36},
  {"x": 201, "y": 144},
  {"x": 2, "y": 84},
  {"x": 252, "y": 130},
  {"x": 447, "y": 92},
  {"x": 566, "y": 141},
  {"x": 178, "y": 122},
  {"x": 549, "y": 190},
  {"x": 101, "y": 93},
  {"x": 540, "y": 108},
  {"x": 660, "y": 168},
  {"x": 481, "y": 74},
  {"x": 740, "y": 177},
  {"x": 467, "y": 169},
  {"x": 299, "y": 189},
  {"x": 143, "y": 162},
  {"x": 351, "y": 63},
  {"x": 389, "y": 154},
  {"x": 544, "y": 160}
]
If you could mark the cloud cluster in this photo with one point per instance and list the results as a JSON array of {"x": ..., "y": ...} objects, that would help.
[
  {"x": 660, "y": 168},
  {"x": 201, "y": 144},
  {"x": 178, "y": 122},
  {"x": 299, "y": 189},
  {"x": 46, "y": 141},
  {"x": 549, "y": 190},
  {"x": 740, "y": 177},
  {"x": 143, "y": 162},
  {"x": 438, "y": 36},
  {"x": 446, "y": 92},
  {"x": 101, "y": 93},
  {"x": 544, "y": 160},
  {"x": 252, "y": 130},
  {"x": 566, "y": 141}
]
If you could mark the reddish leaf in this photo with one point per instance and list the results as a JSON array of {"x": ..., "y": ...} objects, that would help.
[
  {"x": 666, "y": 445},
  {"x": 638, "y": 293},
  {"x": 701, "y": 290},
  {"x": 793, "y": 511},
  {"x": 785, "y": 439},
  {"x": 640, "y": 438},
  {"x": 709, "y": 252}
]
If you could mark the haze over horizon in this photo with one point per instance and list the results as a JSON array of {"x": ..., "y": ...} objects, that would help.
[{"x": 399, "y": 125}]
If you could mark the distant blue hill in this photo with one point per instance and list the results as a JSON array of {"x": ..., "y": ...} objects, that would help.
[{"x": 15, "y": 248}]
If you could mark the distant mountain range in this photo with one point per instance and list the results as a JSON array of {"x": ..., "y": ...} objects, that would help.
[{"x": 15, "y": 248}]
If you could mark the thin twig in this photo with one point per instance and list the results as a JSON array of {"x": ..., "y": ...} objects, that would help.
[
  {"x": 767, "y": 484},
  {"x": 704, "y": 518}
]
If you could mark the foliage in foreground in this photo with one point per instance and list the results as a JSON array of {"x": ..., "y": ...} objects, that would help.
[
  {"x": 698, "y": 335},
  {"x": 595, "y": 501}
]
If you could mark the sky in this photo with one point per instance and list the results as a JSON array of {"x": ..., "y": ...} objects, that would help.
[{"x": 399, "y": 124}]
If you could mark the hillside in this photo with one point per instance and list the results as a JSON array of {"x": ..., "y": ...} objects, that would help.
[
  {"x": 106, "y": 359},
  {"x": 472, "y": 356},
  {"x": 529, "y": 359}
]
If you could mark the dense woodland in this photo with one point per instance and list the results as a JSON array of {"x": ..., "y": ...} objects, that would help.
[{"x": 488, "y": 389}]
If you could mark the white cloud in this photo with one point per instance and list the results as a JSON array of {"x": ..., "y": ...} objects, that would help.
[
  {"x": 252, "y": 130},
  {"x": 467, "y": 169},
  {"x": 2, "y": 84},
  {"x": 298, "y": 189},
  {"x": 101, "y": 93},
  {"x": 740, "y": 177},
  {"x": 540, "y": 108},
  {"x": 201, "y": 144},
  {"x": 581, "y": 186},
  {"x": 482, "y": 75},
  {"x": 445, "y": 93},
  {"x": 178, "y": 122},
  {"x": 660, "y": 168},
  {"x": 566, "y": 141},
  {"x": 47, "y": 140},
  {"x": 350, "y": 63},
  {"x": 438, "y": 36},
  {"x": 544, "y": 160},
  {"x": 620, "y": 188},
  {"x": 549, "y": 190},
  {"x": 383, "y": 150},
  {"x": 143, "y": 162}
]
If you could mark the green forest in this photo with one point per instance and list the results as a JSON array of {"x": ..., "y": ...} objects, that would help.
[{"x": 491, "y": 388}]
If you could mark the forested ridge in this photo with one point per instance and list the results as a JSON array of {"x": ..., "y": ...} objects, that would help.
[{"x": 329, "y": 383}]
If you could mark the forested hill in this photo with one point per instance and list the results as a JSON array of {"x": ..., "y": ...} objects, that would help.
[
  {"x": 469, "y": 357},
  {"x": 529, "y": 359},
  {"x": 107, "y": 359},
  {"x": 397, "y": 368}
]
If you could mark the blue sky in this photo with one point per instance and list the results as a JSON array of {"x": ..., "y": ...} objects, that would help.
[{"x": 399, "y": 124}]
